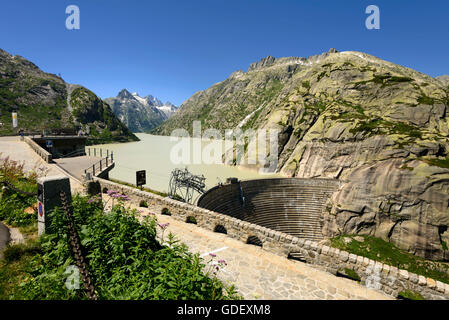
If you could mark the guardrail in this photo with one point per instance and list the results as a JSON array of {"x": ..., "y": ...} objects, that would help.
[
  {"x": 101, "y": 165},
  {"x": 76, "y": 153}
]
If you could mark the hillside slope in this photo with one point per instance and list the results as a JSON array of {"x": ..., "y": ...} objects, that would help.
[
  {"x": 42, "y": 102},
  {"x": 380, "y": 128}
]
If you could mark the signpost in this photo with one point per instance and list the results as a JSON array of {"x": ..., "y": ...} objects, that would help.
[
  {"x": 48, "y": 198},
  {"x": 49, "y": 143},
  {"x": 141, "y": 178}
]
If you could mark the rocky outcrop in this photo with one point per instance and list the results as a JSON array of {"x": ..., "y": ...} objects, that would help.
[
  {"x": 380, "y": 128},
  {"x": 96, "y": 118},
  {"x": 444, "y": 79}
]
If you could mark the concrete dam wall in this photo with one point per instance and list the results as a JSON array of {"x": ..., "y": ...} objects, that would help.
[{"x": 290, "y": 205}]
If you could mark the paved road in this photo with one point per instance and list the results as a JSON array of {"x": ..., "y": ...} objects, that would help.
[
  {"x": 76, "y": 165},
  {"x": 18, "y": 150},
  {"x": 259, "y": 274}
]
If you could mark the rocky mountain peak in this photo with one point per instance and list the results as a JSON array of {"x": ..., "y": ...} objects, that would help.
[
  {"x": 265, "y": 62},
  {"x": 124, "y": 94}
]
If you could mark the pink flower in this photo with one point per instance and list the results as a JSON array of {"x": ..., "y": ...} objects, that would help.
[
  {"x": 164, "y": 225},
  {"x": 213, "y": 255}
]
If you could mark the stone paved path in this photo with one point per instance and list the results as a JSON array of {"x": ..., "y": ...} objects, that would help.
[{"x": 258, "y": 274}]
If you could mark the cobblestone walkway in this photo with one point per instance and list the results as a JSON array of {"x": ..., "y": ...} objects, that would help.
[{"x": 258, "y": 274}]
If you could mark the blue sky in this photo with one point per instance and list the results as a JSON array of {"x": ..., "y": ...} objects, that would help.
[{"x": 171, "y": 49}]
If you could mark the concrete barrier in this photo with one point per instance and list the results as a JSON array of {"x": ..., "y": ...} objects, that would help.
[{"x": 44, "y": 154}]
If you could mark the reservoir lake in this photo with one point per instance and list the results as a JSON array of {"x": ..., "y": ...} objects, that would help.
[{"x": 154, "y": 153}]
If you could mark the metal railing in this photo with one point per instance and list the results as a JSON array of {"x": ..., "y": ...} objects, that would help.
[
  {"x": 76, "y": 153},
  {"x": 101, "y": 165}
]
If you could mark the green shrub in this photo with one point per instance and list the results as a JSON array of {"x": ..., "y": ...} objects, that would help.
[
  {"x": 126, "y": 260},
  {"x": 13, "y": 204}
]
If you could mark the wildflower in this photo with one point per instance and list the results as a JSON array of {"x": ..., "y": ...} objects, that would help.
[
  {"x": 93, "y": 199},
  {"x": 164, "y": 225},
  {"x": 213, "y": 255},
  {"x": 111, "y": 192},
  {"x": 124, "y": 197},
  {"x": 221, "y": 261}
]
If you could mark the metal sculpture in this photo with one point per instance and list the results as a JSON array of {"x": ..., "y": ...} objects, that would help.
[{"x": 183, "y": 184}]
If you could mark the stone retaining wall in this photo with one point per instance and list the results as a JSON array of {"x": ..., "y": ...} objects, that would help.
[
  {"x": 374, "y": 275},
  {"x": 44, "y": 154}
]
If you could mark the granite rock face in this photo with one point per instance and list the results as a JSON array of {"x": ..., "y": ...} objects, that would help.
[{"x": 380, "y": 128}]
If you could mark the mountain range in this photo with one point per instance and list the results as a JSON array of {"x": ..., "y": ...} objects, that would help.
[
  {"x": 380, "y": 128},
  {"x": 140, "y": 114}
]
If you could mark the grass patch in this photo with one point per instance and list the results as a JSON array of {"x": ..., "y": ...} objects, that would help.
[
  {"x": 306, "y": 84},
  {"x": 410, "y": 295},
  {"x": 380, "y": 126},
  {"x": 405, "y": 167},
  {"x": 426, "y": 100},
  {"x": 442, "y": 163},
  {"x": 349, "y": 273},
  {"x": 162, "y": 194},
  {"x": 14, "y": 269},
  {"x": 380, "y": 250}
]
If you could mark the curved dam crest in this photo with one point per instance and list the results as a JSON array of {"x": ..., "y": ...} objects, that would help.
[{"x": 290, "y": 205}]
